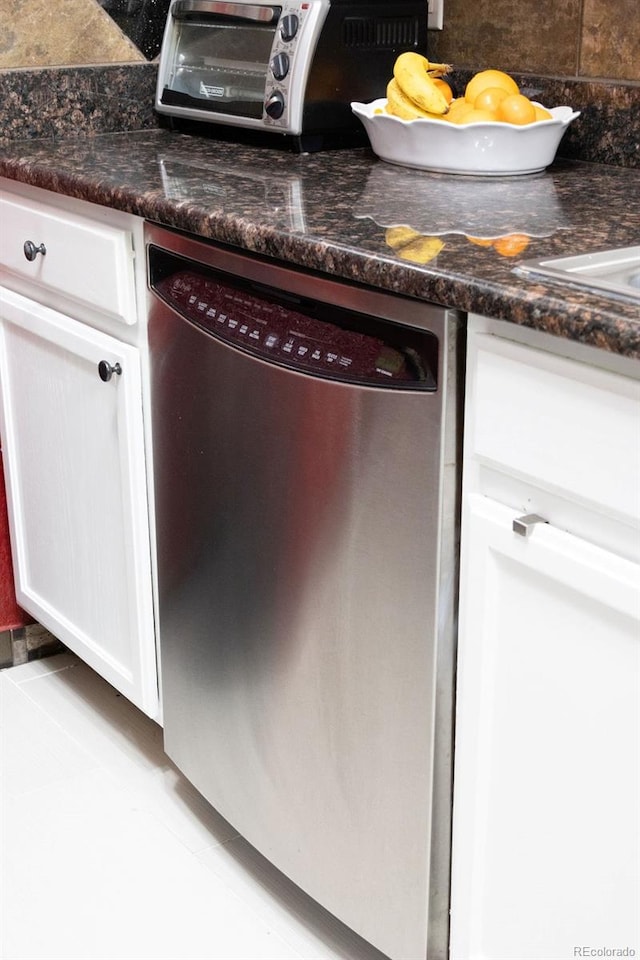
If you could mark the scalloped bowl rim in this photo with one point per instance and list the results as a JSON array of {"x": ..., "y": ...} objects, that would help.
[{"x": 560, "y": 116}]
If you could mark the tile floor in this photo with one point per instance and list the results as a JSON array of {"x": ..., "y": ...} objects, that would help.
[{"x": 108, "y": 853}]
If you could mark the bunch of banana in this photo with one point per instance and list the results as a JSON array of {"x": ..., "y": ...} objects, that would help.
[
  {"x": 412, "y": 93},
  {"x": 413, "y": 246}
]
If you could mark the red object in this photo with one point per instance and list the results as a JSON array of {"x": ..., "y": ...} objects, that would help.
[{"x": 11, "y": 615}]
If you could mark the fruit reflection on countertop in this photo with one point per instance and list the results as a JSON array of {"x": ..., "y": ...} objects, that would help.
[
  {"x": 416, "y": 247},
  {"x": 511, "y": 245},
  {"x": 413, "y": 246}
]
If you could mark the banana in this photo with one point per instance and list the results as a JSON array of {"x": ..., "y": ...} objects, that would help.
[
  {"x": 438, "y": 69},
  {"x": 411, "y": 74},
  {"x": 399, "y": 105}
]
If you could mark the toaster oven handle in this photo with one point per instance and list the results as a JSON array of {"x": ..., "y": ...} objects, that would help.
[{"x": 239, "y": 11}]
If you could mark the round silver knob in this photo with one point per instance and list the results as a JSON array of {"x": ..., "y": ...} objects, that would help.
[
  {"x": 280, "y": 66},
  {"x": 289, "y": 27},
  {"x": 274, "y": 106},
  {"x": 31, "y": 251},
  {"x": 106, "y": 371}
]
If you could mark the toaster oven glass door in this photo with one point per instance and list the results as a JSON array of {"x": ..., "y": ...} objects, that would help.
[{"x": 220, "y": 64}]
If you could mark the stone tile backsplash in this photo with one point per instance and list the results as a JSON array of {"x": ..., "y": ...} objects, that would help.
[
  {"x": 597, "y": 39},
  {"x": 46, "y": 33},
  {"x": 536, "y": 37},
  {"x": 559, "y": 38},
  {"x": 65, "y": 102},
  {"x": 610, "y": 38}
]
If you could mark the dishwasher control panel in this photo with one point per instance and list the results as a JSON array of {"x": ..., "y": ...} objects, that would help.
[{"x": 320, "y": 339}]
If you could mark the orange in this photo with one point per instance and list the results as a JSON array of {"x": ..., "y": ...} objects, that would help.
[
  {"x": 489, "y": 78},
  {"x": 489, "y": 98},
  {"x": 477, "y": 116},
  {"x": 458, "y": 103},
  {"x": 516, "y": 109},
  {"x": 444, "y": 88},
  {"x": 512, "y": 244},
  {"x": 541, "y": 113},
  {"x": 459, "y": 107}
]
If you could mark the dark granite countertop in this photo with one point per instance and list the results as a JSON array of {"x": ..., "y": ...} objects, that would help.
[{"x": 333, "y": 211}]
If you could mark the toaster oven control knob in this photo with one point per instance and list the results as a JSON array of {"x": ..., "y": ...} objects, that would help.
[
  {"x": 280, "y": 66},
  {"x": 289, "y": 26},
  {"x": 275, "y": 105}
]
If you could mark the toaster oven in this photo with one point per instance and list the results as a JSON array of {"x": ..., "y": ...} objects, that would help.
[{"x": 290, "y": 68}]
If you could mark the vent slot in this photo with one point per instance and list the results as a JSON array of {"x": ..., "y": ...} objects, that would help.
[{"x": 380, "y": 33}]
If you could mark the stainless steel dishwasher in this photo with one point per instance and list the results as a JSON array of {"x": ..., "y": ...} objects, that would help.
[{"x": 305, "y": 437}]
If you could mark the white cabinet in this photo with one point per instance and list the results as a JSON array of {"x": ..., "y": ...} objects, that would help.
[
  {"x": 546, "y": 854},
  {"x": 86, "y": 260},
  {"x": 546, "y": 836},
  {"x": 74, "y": 450}
]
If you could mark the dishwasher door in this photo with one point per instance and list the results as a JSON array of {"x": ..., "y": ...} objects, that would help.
[{"x": 306, "y": 588}]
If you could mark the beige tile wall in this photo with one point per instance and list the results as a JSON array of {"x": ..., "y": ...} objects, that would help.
[
  {"x": 568, "y": 38},
  {"x": 48, "y": 33},
  {"x": 583, "y": 38}
]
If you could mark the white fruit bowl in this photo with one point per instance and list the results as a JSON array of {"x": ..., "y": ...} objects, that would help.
[{"x": 486, "y": 149}]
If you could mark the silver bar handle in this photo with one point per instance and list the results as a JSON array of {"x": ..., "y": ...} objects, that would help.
[
  {"x": 524, "y": 525},
  {"x": 240, "y": 11}
]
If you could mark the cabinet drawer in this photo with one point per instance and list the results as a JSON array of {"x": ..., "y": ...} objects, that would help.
[
  {"x": 556, "y": 423},
  {"x": 86, "y": 261}
]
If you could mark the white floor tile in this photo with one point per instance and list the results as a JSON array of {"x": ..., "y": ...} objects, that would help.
[
  {"x": 94, "y": 713},
  {"x": 51, "y": 755},
  {"x": 108, "y": 853},
  {"x": 38, "y": 668},
  {"x": 125, "y": 741},
  {"x": 91, "y": 876}
]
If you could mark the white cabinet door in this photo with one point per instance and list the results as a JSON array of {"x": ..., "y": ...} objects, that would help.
[
  {"x": 85, "y": 260},
  {"x": 74, "y": 456},
  {"x": 546, "y": 849}
]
